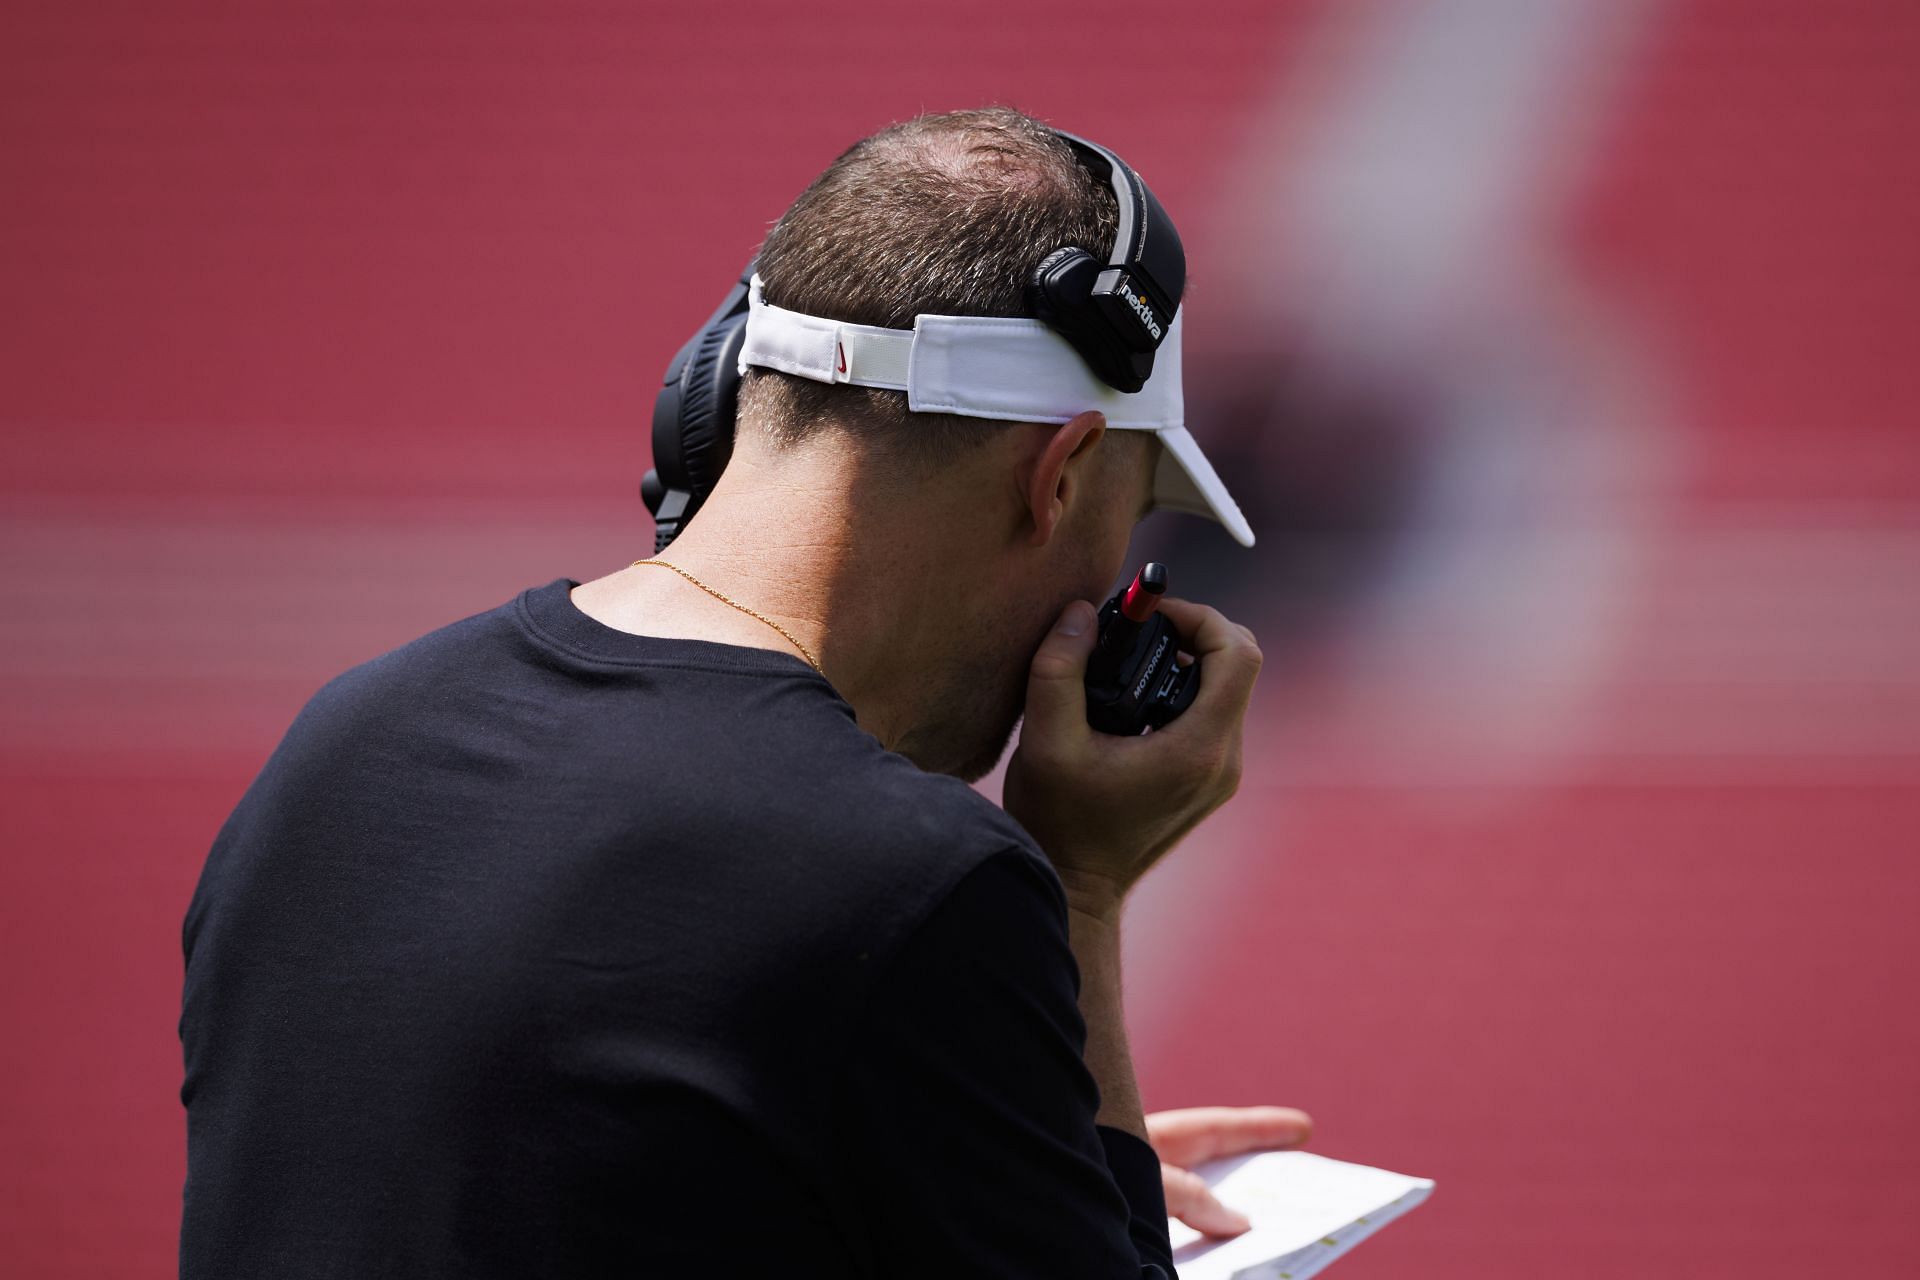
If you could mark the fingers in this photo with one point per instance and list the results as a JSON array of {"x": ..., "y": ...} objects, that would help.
[
  {"x": 1194, "y": 1134},
  {"x": 1231, "y": 656},
  {"x": 1056, "y": 680},
  {"x": 1190, "y": 1200},
  {"x": 1110, "y": 807},
  {"x": 1206, "y": 630}
]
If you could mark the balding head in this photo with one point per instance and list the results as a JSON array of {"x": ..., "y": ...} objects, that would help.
[{"x": 940, "y": 215}]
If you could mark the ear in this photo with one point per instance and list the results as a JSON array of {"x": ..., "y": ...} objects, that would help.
[{"x": 1054, "y": 475}]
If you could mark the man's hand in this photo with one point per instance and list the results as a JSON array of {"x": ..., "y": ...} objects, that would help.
[
  {"x": 1195, "y": 1134},
  {"x": 1105, "y": 808}
]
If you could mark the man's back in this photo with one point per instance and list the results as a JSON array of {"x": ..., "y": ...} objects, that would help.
[{"x": 538, "y": 947}]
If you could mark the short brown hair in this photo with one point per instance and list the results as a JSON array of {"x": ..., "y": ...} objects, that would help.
[{"x": 941, "y": 215}]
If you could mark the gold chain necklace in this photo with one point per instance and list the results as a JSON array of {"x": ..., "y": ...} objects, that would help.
[{"x": 804, "y": 652}]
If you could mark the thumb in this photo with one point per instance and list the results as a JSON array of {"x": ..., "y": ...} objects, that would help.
[
  {"x": 1193, "y": 1202},
  {"x": 1056, "y": 680}
]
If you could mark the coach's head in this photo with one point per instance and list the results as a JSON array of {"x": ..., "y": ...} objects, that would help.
[{"x": 928, "y": 552}]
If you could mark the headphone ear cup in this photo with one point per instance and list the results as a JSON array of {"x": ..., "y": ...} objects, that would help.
[
  {"x": 1061, "y": 284},
  {"x": 693, "y": 416},
  {"x": 667, "y": 467}
]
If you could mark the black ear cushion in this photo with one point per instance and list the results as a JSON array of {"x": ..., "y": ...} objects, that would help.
[
  {"x": 666, "y": 437},
  {"x": 709, "y": 399},
  {"x": 1055, "y": 281}
]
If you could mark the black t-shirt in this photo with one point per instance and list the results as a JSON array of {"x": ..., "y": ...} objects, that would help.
[{"x": 542, "y": 949}]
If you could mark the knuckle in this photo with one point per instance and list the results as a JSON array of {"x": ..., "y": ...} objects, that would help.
[{"x": 1207, "y": 764}]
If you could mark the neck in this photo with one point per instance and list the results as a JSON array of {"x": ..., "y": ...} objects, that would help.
[{"x": 862, "y": 578}]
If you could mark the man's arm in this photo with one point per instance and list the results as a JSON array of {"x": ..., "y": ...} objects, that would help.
[
  {"x": 1178, "y": 1138},
  {"x": 1093, "y": 928},
  {"x": 1106, "y": 808}
]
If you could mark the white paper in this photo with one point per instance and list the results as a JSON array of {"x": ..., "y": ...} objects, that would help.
[{"x": 1306, "y": 1211}]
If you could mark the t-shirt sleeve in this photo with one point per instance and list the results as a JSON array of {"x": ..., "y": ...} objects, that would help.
[{"x": 971, "y": 1134}]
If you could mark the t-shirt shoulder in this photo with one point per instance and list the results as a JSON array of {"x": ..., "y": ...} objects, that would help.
[
  {"x": 930, "y": 830},
  {"x": 971, "y": 819}
]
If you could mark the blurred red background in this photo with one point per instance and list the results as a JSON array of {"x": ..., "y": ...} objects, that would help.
[{"x": 332, "y": 323}]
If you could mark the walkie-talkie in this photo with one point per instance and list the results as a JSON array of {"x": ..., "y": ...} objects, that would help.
[{"x": 1133, "y": 682}]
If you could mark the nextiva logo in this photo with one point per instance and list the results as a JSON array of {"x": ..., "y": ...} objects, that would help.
[{"x": 1141, "y": 309}]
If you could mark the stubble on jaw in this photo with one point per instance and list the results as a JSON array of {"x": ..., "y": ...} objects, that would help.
[
  {"x": 969, "y": 725},
  {"x": 970, "y": 714}
]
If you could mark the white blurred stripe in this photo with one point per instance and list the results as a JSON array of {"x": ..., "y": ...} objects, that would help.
[
  {"x": 1771, "y": 632},
  {"x": 186, "y": 627}
]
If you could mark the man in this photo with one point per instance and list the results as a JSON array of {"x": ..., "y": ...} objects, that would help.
[{"x": 648, "y": 925}]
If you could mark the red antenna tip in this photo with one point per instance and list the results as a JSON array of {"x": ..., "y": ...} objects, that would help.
[{"x": 1143, "y": 595}]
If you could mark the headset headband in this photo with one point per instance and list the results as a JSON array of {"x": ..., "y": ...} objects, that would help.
[{"x": 1115, "y": 313}]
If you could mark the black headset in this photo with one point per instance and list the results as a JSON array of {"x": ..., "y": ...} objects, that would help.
[{"x": 1116, "y": 314}]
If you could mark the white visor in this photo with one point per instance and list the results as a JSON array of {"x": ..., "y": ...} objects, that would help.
[{"x": 998, "y": 367}]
